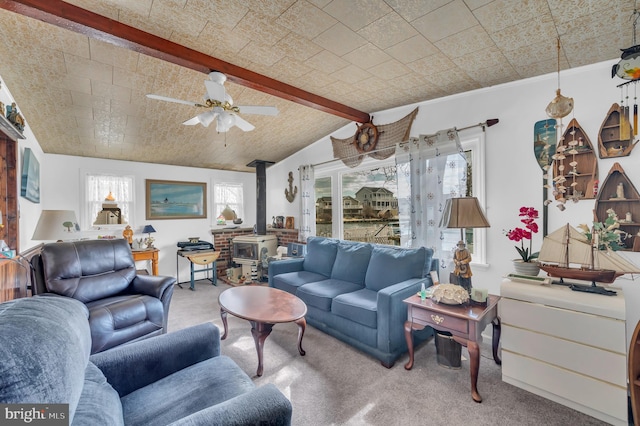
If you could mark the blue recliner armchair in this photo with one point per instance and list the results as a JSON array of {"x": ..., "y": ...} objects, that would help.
[
  {"x": 123, "y": 306},
  {"x": 178, "y": 378}
]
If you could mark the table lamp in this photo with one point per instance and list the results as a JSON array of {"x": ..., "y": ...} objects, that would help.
[
  {"x": 148, "y": 229},
  {"x": 56, "y": 225},
  {"x": 463, "y": 212}
]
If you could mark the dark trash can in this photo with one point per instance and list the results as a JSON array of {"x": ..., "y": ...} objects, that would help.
[{"x": 449, "y": 352}]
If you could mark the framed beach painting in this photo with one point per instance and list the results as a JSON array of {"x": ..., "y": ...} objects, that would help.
[
  {"x": 167, "y": 199},
  {"x": 30, "y": 185}
]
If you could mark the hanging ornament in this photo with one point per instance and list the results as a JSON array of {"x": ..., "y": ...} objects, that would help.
[
  {"x": 628, "y": 68},
  {"x": 560, "y": 106}
]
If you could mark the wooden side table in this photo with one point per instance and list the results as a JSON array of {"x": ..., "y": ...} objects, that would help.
[
  {"x": 464, "y": 322},
  {"x": 150, "y": 254}
]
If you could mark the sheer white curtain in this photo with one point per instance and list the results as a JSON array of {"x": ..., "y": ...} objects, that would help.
[
  {"x": 307, "y": 203},
  {"x": 431, "y": 169},
  {"x": 97, "y": 189}
]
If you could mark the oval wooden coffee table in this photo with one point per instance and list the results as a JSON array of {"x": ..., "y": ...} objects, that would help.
[{"x": 263, "y": 307}]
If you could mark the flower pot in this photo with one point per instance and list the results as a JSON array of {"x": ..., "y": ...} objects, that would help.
[{"x": 526, "y": 268}]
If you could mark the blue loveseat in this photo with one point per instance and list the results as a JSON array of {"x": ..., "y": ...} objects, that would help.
[
  {"x": 355, "y": 291},
  {"x": 178, "y": 378}
]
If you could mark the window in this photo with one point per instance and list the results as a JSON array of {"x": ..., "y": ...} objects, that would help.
[
  {"x": 367, "y": 210},
  {"x": 104, "y": 194},
  {"x": 474, "y": 151},
  {"x": 228, "y": 195},
  {"x": 380, "y": 201},
  {"x": 324, "y": 215}
]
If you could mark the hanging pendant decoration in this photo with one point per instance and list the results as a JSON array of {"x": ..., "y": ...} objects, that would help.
[
  {"x": 628, "y": 68},
  {"x": 560, "y": 106}
]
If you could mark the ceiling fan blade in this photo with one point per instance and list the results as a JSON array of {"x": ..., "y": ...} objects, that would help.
[
  {"x": 244, "y": 124},
  {"x": 262, "y": 110},
  {"x": 177, "y": 101},
  {"x": 205, "y": 119},
  {"x": 215, "y": 91}
]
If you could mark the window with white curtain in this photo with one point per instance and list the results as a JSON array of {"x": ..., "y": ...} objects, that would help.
[
  {"x": 473, "y": 146},
  {"x": 97, "y": 189},
  {"x": 228, "y": 194}
]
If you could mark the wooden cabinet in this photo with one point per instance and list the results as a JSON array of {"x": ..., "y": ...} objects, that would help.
[
  {"x": 567, "y": 346},
  {"x": 580, "y": 165},
  {"x": 609, "y": 198},
  {"x": 615, "y": 138}
]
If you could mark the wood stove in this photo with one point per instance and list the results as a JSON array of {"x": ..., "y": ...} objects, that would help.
[{"x": 250, "y": 250}]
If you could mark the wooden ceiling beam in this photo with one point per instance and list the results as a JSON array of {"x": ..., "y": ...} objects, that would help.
[{"x": 71, "y": 17}]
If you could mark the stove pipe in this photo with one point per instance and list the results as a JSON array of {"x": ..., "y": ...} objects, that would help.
[{"x": 261, "y": 193}]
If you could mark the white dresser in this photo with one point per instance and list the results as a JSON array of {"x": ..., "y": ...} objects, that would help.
[{"x": 567, "y": 346}]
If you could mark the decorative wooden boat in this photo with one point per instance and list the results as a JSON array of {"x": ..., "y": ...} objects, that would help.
[
  {"x": 580, "y": 165},
  {"x": 617, "y": 192},
  {"x": 615, "y": 138},
  {"x": 566, "y": 247}
]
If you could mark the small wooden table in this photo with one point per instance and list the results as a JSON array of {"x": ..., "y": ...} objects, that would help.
[
  {"x": 263, "y": 307},
  {"x": 464, "y": 322},
  {"x": 149, "y": 254}
]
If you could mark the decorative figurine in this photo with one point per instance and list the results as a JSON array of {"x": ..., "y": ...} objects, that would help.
[
  {"x": 462, "y": 270},
  {"x": 620, "y": 191},
  {"x": 128, "y": 235},
  {"x": 14, "y": 117}
]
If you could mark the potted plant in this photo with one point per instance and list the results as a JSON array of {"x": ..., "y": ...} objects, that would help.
[{"x": 527, "y": 264}]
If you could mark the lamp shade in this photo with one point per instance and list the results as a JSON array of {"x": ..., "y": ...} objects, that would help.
[
  {"x": 148, "y": 229},
  {"x": 56, "y": 225},
  {"x": 464, "y": 212}
]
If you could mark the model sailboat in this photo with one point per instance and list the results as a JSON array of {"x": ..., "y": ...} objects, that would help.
[{"x": 567, "y": 253}]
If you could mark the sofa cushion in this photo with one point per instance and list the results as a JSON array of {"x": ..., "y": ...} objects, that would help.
[
  {"x": 321, "y": 253},
  {"x": 47, "y": 363},
  {"x": 120, "y": 319},
  {"x": 185, "y": 392},
  {"x": 360, "y": 306},
  {"x": 390, "y": 265},
  {"x": 291, "y": 281},
  {"x": 351, "y": 262},
  {"x": 320, "y": 294},
  {"x": 99, "y": 402}
]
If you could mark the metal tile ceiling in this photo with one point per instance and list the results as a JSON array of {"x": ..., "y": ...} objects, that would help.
[{"x": 85, "y": 97}]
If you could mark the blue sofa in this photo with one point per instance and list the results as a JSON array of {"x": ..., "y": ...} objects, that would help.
[
  {"x": 178, "y": 378},
  {"x": 355, "y": 291}
]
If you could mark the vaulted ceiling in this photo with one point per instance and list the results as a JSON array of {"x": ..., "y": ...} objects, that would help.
[{"x": 83, "y": 93}]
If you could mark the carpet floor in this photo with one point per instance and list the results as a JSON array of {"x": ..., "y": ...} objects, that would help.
[{"x": 335, "y": 384}]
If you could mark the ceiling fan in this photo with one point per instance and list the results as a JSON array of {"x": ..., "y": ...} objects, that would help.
[{"x": 220, "y": 107}]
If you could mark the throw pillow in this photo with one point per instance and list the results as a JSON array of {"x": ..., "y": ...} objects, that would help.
[
  {"x": 391, "y": 265},
  {"x": 352, "y": 261},
  {"x": 321, "y": 253}
]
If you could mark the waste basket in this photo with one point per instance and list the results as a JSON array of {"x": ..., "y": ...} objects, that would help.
[{"x": 449, "y": 352}]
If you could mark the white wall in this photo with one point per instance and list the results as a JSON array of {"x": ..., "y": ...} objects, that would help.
[
  {"x": 61, "y": 186},
  {"x": 513, "y": 177},
  {"x": 28, "y": 211}
]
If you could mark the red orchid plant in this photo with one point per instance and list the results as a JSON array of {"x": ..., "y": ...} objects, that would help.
[{"x": 528, "y": 216}]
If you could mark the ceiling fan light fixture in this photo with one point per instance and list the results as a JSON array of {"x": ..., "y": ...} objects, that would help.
[{"x": 225, "y": 122}]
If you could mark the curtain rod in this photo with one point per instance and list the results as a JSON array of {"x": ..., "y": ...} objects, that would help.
[{"x": 490, "y": 122}]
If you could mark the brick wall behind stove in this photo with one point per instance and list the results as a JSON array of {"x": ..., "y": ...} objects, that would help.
[{"x": 223, "y": 241}]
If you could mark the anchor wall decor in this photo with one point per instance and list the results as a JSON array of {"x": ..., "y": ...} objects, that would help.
[{"x": 290, "y": 193}]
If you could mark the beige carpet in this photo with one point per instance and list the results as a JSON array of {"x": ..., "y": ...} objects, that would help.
[{"x": 334, "y": 384}]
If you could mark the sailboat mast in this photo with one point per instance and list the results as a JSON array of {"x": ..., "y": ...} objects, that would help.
[
  {"x": 594, "y": 246},
  {"x": 566, "y": 242}
]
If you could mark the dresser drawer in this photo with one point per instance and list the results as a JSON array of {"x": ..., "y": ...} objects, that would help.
[
  {"x": 439, "y": 320},
  {"x": 592, "y": 330}
]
